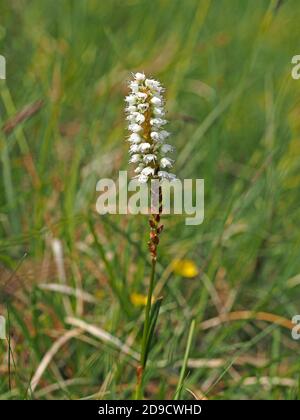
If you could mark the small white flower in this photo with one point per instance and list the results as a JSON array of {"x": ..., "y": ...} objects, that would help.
[
  {"x": 159, "y": 136},
  {"x": 142, "y": 95},
  {"x": 164, "y": 134},
  {"x": 149, "y": 158},
  {"x": 135, "y": 128},
  {"x": 134, "y": 86},
  {"x": 143, "y": 147},
  {"x": 153, "y": 84},
  {"x": 130, "y": 118},
  {"x": 166, "y": 175},
  {"x": 156, "y": 101},
  {"x": 155, "y": 135},
  {"x": 166, "y": 148},
  {"x": 135, "y": 158},
  {"x": 131, "y": 108},
  {"x": 139, "y": 76},
  {"x": 148, "y": 171},
  {"x": 159, "y": 112},
  {"x": 139, "y": 118},
  {"x": 158, "y": 122},
  {"x": 134, "y": 148},
  {"x": 142, "y": 179},
  {"x": 131, "y": 99},
  {"x": 134, "y": 138},
  {"x": 166, "y": 162},
  {"x": 143, "y": 107}
]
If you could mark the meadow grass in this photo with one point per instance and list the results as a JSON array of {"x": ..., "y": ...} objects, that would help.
[{"x": 73, "y": 282}]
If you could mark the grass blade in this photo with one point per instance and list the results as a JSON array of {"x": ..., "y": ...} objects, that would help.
[{"x": 185, "y": 360}]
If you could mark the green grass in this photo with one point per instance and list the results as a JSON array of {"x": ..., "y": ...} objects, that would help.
[{"x": 234, "y": 114}]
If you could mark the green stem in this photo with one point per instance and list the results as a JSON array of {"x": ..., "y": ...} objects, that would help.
[{"x": 143, "y": 360}]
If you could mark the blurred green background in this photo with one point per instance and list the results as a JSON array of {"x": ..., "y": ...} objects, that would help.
[{"x": 234, "y": 116}]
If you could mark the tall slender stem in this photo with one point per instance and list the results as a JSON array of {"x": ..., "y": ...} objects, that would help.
[{"x": 143, "y": 361}]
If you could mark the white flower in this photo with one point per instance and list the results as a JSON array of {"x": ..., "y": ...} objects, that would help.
[
  {"x": 131, "y": 99},
  {"x": 135, "y": 128},
  {"x": 134, "y": 148},
  {"x": 136, "y": 117},
  {"x": 153, "y": 85},
  {"x": 148, "y": 171},
  {"x": 149, "y": 158},
  {"x": 156, "y": 101},
  {"x": 142, "y": 178},
  {"x": 164, "y": 134},
  {"x": 139, "y": 76},
  {"x": 166, "y": 162},
  {"x": 130, "y": 118},
  {"x": 134, "y": 86},
  {"x": 166, "y": 148},
  {"x": 159, "y": 112},
  {"x": 143, "y": 107},
  {"x": 155, "y": 135},
  {"x": 134, "y": 138},
  {"x": 141, "y": 95},
  {"x": 139, "y": 118},
  {"x": 131, "y": 108},
  {"x": 166, "y": 175},
  {"x": 144, "y": 147},
  {"x": 158, "y": 122},
  {"x": 135, "y": 158}
]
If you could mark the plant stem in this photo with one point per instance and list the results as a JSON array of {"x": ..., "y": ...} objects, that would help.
[{"x": 143, "y": 360}]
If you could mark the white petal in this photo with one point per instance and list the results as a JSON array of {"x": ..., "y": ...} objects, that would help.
[
  {"x": 130, "y": 118},
  {"x": 158, "y": 122},
  {"x": 139, "y": 76},
  {"x": 166, "y": 175},
  {"x": 164, "y": 134},
  {"x": 144, "y": 147},
  {"x": 141, "y": 95},
  {"x": 135, "y": 128},
  {"x": 166, "y": 163},
  {"x": 148, "y": 171},
  {"x": 143, "y": 107},
  {"x": 165, "y": 148},
  {"x": 134, "y": 138},
  {"x": 134, "y": 86},
  {"x": 159, "y": 112},
  {"x": 155, "y": 135},
  {"x": 131, "y": 99},
  {"x": 139, "y": 118},
  {"x": 156, "y": 101},
  {"x": 134, "y": 148},
  {"x": 153, "y": 84},
  {"x": 149, "y": 158},
  {"x": 142, "y": 178},
  {"x": 130, "y": 108},
  {"x": 135, "y": 159}
]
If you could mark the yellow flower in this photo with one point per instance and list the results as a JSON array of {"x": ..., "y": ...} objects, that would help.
[
  {"x": 185, "y": 268},
  {"x": 137, "y": 299}
]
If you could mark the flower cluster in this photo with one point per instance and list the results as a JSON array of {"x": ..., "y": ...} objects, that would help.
[{"x": 145, "y": 113}]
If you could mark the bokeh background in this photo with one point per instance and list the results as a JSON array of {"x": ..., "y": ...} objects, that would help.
[{"x": 73, "y": 283}]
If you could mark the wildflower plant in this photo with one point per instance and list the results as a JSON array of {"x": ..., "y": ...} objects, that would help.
[
  {"x": 146, "y": 116},
  {"x": 150, "y": 153}
]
